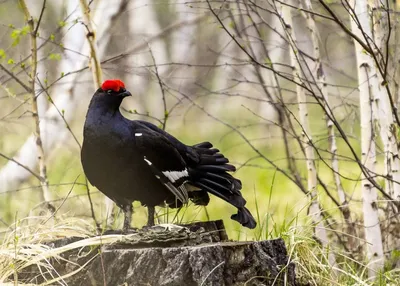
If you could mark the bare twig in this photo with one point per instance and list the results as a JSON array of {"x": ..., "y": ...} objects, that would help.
[
  {"x": 35, "y": 112},
  {"x": 21, "y": 83},
  {"x": 164, "y": 122},
  {"x": 174, "y": 27},
  {"x": 91, "y": 38},
  {"x": 97, "y": 80},
  {"x": 62, "y": 203},
  {"x": 21, "y": 165},
  {"x": 343, "y": 26}
]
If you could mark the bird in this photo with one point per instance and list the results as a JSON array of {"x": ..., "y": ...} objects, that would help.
[{"x": 134, "y": 160}]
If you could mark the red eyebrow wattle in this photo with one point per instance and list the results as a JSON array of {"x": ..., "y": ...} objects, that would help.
[{"x": 112, "y": 84}]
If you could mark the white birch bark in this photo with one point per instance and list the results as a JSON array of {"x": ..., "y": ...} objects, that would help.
[
  {"x": 385, "y": 115},
  {"x": 54, "y": 131},
  {"x": 319, "y": 75},
  {"x": 369, "y": 95},
  {"x": 314, "y": 209},
  {"x": 387, "y": 122}
]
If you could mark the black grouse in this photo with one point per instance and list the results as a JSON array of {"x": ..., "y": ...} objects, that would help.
[{"x": 134, "y": 160}]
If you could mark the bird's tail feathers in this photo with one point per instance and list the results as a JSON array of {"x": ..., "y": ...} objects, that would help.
[
  {"x": 245, "y": 218},
  {"x": 211, "y": 175}
]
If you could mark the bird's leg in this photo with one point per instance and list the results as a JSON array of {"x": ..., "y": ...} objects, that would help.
[
  {"x": 127, "y": 217},
  {"x": 150, "y": 216}
]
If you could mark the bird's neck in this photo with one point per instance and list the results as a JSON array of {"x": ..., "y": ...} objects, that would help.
[
  {"x": 107, "y": 105},
  {"x": 103, "y": 109}
]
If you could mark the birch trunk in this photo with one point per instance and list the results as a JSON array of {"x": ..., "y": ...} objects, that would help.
[
  {"x": 369, "y": 95},
  {"x": 385, "y": 116},
  {"x": 388, "y": 127},
  {"x": 314, "y": 209},
  {"x": 319, "y": 75}
]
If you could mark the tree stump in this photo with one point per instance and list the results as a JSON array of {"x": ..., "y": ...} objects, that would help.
[{"x": 194, "y": 254}]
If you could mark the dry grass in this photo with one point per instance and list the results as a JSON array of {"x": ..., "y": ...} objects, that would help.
[{"x": 25, "y": 245}]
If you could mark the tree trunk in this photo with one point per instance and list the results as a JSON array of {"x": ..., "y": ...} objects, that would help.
[
  {"x": 194, "y": 254},
  {"x": 314, "y": 209},
  {"x": 369, "y": 91}
]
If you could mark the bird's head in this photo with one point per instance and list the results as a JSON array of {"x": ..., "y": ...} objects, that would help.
[
  {"x": 113, "y": 87},
  {"x": 109, "y": 96}
]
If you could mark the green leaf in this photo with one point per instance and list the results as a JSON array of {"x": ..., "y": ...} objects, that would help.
[
  {"x": 10, "y": 62},
  {"x": 55, "y": 56},
  {"x": 25, "y": 30},
  {"x": 62, "y": 74},
  {"x": 2, "y": 54},
  {"x": 62, "y": 23},
  {"x": 16, "y": 35},
  {"x": 52, "y": 37}
]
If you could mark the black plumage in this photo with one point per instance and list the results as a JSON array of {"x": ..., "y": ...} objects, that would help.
[{"x": 137, "y": 161}]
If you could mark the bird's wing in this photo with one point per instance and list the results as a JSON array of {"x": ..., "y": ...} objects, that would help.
[
  {"x": 163, "y": 159},
  {"x": 188, "y": 154}
]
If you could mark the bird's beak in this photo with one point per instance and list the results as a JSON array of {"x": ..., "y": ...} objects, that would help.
[{"x": 125, "y": 93}]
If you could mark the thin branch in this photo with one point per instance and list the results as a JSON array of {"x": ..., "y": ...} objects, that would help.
[
  {"x": 62, "y": 203},
  {"x": 344, "y": 28},
  {"x": 164, "y": 122},
  {"x": 21, "y": 165},
  {"x": 161, "y": 34},
  {"x": 91, "y": 38},
  {"x": 97, "y": 79},
  {"x": 35, "y": 112},
  {"x": 40, "y": 17},
  {"x": 27, "y": 88}
]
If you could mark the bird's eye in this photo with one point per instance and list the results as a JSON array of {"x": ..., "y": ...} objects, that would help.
[{"x": 109, "y": 91}]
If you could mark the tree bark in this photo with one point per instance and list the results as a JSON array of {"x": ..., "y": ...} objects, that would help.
[
  {"x": 314, "y": 209},
  {"x": 369, "y": 92}
]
